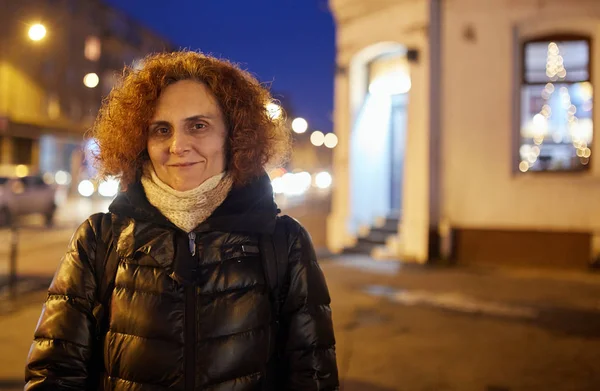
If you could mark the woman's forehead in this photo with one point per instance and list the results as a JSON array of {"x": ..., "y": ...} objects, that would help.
[{"x": 186, "y": 99}]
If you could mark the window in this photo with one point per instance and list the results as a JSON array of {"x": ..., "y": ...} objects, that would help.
[
  {"x": 73, "y": 6},
  {"x": 22, "y": 150},
  {"x": 53, "y": 106},
  {"x": 93, "y": 48},
  {"x": 556, "y": 105}
]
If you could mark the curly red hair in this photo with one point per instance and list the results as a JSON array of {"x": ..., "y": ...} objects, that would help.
[{"x": 255, "y": 140}]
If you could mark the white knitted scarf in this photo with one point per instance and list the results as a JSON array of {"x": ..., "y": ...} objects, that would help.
[{"x": 186, "y": 209}]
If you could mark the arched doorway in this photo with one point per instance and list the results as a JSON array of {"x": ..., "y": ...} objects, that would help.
[{"x": 379, "y": 82}]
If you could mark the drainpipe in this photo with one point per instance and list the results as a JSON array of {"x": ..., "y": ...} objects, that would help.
[{"x": 438, "y": 234}]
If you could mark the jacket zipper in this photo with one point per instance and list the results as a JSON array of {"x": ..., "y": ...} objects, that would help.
[
  {"x": 190, "y": 326},
  {"x": 192, "y": 239}
]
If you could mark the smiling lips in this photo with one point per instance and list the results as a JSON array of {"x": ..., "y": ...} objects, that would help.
[{"x": 182, "y": 165}]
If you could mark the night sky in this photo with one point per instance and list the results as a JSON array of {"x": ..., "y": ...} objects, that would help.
[{"x": 289, "y": 43}]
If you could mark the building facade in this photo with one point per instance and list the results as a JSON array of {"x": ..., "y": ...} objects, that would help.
[
  {"x": 51, "y": 89},
  {"x": 473, "y": 123}
]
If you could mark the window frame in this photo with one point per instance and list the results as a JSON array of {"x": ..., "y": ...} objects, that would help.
[{"x": 522, "y": 82}]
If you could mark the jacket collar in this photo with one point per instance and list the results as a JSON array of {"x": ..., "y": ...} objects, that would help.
[
  {"x": 141, "y": 228},
  {"x": 250, "y": 208}
]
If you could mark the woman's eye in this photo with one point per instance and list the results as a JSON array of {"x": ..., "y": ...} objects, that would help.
[{"x": 160, "y": 131}]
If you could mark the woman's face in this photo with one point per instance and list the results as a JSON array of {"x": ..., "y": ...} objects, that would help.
[{"x": 186, "y": 136}]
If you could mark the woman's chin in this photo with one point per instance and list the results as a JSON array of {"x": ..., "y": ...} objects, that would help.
[{"x": 185, "y": 183}]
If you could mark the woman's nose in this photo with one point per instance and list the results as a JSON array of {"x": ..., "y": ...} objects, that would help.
[{"x": 179, "y": 143}]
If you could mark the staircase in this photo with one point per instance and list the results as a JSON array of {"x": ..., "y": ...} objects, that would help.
[{"x": 374, "y": 240}]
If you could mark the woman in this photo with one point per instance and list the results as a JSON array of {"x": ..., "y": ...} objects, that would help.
[{"x": 190, "y": 307}]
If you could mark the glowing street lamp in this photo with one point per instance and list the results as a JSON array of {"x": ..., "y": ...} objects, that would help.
[
  {"x": 323, "y": 180},
  {"x": 274, "y": 110},
  {"x": 317, "y": 138},
  {"x": 330, "y": 140},
  {"x": 37, "y": 32},
  {"x": 91, "y": 80},
  {"x": 299, "y": 125}
]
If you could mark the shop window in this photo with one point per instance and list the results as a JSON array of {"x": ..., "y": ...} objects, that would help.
[{"x": 556, "y": 124}]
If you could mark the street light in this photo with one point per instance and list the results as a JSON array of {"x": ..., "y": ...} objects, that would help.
[
  {"x": 86, "y": 188},
  {"x": 331, "y": 140},
  {"x": 323, "y": 180},
  {"x": 299, "y": 125},
  {"x": 274, "y": 110},
  {"x": 91, "y": 80},
  {"x": 22, "y": 170},
  {"x": 317, "y": 138},
  {"x": 37, "y": 32}
]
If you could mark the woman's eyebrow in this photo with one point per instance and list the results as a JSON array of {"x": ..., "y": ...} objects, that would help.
[
  {"x": 193, "y": 118},
  {"x": 198, "y": 117},
  {"x": 160, "y": 123}
]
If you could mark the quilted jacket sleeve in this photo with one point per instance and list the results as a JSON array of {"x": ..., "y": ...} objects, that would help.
[
  {"x": 309, "y": 348},
  {"x": 62, "y": 342}
]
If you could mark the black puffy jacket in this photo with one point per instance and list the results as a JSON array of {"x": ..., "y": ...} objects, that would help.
[{"x": 183, "y": 322}]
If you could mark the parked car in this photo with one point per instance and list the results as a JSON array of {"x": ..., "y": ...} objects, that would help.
[{"x": 26, "y": 196}]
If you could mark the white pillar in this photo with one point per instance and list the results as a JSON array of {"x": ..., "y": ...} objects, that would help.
[
  {"x": 337, "y": 232},
  {"x": 414, "y": 237}
]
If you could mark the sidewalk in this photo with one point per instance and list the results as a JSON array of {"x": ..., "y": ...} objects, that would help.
[
  {"x": 407, "y": 327},
  {"x": 555, "y": 287},
  {"x": 412, "y": 328},
  {"x": 15, "y": 338}
]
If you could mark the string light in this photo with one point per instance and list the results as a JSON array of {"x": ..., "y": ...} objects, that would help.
[{"x": 556, "y": 72}]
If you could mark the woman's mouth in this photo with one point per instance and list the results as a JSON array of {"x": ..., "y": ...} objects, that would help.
[{"x": 182, "y": 165}]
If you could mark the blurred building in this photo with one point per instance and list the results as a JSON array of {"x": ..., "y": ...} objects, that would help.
[
  {"x": 466, "y": 130},
  {"x": 306, "y": 155},
  {"x": 51, "y": 85}
]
